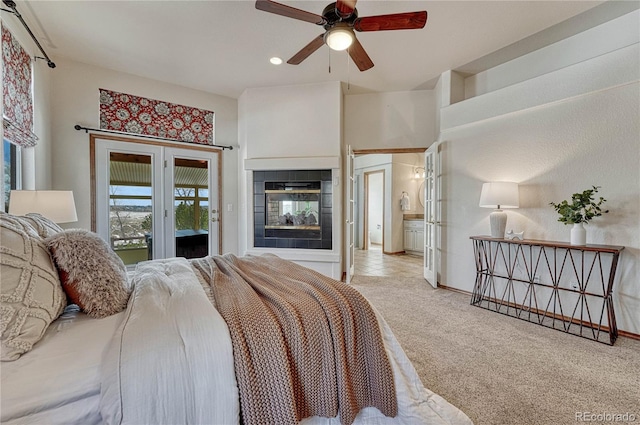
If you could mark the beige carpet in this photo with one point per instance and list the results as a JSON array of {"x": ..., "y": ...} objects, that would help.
[{"x": 500, "y": 370}]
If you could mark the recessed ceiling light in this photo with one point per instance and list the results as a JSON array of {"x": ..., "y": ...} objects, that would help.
[{"x": 275, "y": 60}]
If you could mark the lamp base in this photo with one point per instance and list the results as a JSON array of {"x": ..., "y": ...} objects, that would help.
[{"x": 498, "y": 220}]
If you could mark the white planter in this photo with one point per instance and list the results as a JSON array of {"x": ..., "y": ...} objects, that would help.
[{"x": 578, "y": 234}]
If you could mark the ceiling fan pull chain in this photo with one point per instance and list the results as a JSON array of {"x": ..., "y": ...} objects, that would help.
[
  {"x": 348, "y": 70},
  {"x": 329, "y": 51}
]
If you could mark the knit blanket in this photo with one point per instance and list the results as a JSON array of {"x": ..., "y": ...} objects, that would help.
[{"x": 304, "y": 344}]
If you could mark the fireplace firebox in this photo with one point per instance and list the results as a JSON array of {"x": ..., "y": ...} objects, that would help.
[{"x": 292, "y": 209}]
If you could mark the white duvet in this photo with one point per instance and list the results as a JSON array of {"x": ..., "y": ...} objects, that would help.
[
  {"x": 170, "y": 362},
  {"x": 58, "y": 382}
]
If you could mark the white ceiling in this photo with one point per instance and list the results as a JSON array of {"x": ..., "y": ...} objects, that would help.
[{"x": 223, "y": 47}]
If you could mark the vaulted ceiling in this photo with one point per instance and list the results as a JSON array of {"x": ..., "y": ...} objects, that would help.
[{"x": 224, "y": 47}]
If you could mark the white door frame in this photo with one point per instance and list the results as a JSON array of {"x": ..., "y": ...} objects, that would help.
[
  {"x": 170, "y": 153},
  {"x": 350, "y": 228},
  {"x": 103, "y": 150},
  {"x": 162, "y": 214},
  {"x": 431, "y": 198}
]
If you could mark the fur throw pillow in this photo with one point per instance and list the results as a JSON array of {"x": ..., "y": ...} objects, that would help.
[{"x": 92, "y": 274}]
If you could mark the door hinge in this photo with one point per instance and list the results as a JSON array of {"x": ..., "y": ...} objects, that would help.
[{"x": 165, "y": 163}]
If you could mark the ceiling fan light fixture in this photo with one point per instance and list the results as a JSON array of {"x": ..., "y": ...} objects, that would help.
[
  {"x": 339, "y": 38},
  {"x": 275, "y": 60}
]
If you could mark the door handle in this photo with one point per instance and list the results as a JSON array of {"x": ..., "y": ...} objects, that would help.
[{"x": 213, "y": 219}]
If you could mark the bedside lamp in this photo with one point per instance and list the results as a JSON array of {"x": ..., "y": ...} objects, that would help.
[
  {"x": 499, "y": 195},
  {"x": 56, "y": 205}
]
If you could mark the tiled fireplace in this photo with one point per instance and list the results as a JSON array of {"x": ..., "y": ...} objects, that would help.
[{"x": 292, "y": 209}]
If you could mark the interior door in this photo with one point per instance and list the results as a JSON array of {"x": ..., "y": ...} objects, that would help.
[
  {"x": 431, "y": 213},
  {"x": 350, "y": 227},
  {"x": 191, "y": 182}
]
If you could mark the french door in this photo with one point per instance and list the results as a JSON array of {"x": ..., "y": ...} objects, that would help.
[
  {"x": 154, "y": 201},
  {"x": 350, "y": 227},
  {"x": 431, "y": 196}
]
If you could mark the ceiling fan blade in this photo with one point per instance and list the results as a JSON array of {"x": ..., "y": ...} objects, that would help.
[
  {"x": 289, "y": 12},
  {"x": 344, "y": 8},
  {"x": 397, "y": 21},
  {"x": 359, "y": 56},
  {"x": 306, "y": 51}
]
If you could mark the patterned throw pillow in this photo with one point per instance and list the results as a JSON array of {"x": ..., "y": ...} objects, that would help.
[
  {"x": 42, "y": 225},
  {"x": 92, "y": 274},
  {"x": 30, "y": 293}
]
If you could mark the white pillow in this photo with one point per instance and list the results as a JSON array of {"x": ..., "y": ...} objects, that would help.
[{"x": 31, "y": 296}]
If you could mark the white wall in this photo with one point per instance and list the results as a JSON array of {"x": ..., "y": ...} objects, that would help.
[
  {"x": 602, "y": 39},
  {"x": 390, "y": 120},
  {"x": 292, "y": 121},
  {"x": 75, "y": 100},
  {"x": 556, "y": 142},
  {"x": 36, "y": 164},
  {"x": 369, "y": 164},
  {"x": 376, "y": 207},
  {"x": 404, "y": 166}
]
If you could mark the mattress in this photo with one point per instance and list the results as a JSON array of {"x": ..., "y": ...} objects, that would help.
[{"x": 63, "y": 383}]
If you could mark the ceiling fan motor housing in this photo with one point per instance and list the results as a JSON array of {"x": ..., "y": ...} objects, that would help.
[{"x": 331, "y": 16}]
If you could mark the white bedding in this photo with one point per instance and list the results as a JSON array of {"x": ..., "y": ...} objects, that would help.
[
  {"x": 58, "y": 382},
  {"x": 171, "y": 361},
  {"x": 197, "y": 369},
  {"x": 192, "y": 382}
]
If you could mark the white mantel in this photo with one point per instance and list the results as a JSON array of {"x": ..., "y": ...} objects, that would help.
[{"x": 294, "y": 163}]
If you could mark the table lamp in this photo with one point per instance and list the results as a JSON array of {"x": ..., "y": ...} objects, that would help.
[
  {"x": 499, "y": 195},
  {"x": 56, "y": 205}
]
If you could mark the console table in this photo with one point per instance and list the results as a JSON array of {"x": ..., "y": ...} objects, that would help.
[{"x": 554, "y": 284}]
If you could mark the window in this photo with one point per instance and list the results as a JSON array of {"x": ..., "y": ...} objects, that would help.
[{"x": 11, "y": 162}]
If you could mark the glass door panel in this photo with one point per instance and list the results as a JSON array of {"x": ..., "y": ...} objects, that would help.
[
  {"x": 195, "y": 223},
  {"x": 131, "y": 206}
]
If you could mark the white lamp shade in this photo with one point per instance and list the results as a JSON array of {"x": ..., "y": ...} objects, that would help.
[
  {"x": 56, "y": 205},
  {"x": 500, "y": 195},
  {"x": 339, "y": 38}
]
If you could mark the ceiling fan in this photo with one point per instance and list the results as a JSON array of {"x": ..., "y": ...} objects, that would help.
[{"x": 339, "y": 20}]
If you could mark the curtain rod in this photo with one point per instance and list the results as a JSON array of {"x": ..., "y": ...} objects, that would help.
[
  {"x": 87, "y": 129},
  {"x": 12, "y": 5}
]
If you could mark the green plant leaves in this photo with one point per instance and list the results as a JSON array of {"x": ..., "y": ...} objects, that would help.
[{"x": 582, "y": 209}]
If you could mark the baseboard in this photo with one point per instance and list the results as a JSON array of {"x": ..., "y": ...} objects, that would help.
[
  {"x": 393, "y": 253},
  {"x": 625, "y": 334},
  {"x": 630, "y": 335},
  {"x": 448, "y": 288}
]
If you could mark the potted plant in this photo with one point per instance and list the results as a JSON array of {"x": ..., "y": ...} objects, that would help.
[{"x": 582, "y": 209}]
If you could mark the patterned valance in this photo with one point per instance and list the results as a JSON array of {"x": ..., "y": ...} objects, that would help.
[
  {"x": 17, "y": 107},
  {"x": 148, "y": 117}
]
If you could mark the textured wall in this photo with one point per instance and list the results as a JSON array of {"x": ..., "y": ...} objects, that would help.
[{"x": 553, "y": 150}]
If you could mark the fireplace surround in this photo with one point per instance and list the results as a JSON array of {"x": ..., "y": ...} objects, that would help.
[{"x": 292, "y": 209}]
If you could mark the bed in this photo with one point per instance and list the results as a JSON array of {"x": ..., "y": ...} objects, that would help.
[{"x": 183, "y": 349}]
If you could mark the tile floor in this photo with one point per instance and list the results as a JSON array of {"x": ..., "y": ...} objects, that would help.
[{"x": 373, "y": 262}]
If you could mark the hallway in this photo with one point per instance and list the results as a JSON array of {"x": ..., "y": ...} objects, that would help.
[{"x": 373, "y": 262}]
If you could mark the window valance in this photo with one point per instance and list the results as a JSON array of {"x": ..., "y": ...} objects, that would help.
[
  {"x": 17, "y": 111},
  {"x": 149, "y": 117}
]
